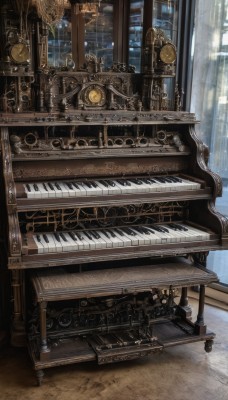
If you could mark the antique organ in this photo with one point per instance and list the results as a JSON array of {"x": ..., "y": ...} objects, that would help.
[{"x": 109, "y": 200}]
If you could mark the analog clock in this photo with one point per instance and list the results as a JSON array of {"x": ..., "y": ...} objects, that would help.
[
  {"x": 95, "y": 95},
  {"x": 19, "y": 53},
  {"x": 168, "y": 53}
]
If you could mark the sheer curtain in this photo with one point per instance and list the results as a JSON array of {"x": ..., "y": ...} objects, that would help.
[
  {"x": 210, "y": 79},
  {"x": 209, "y": 99}
]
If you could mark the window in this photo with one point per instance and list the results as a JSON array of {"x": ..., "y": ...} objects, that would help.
[{"x": 210, "y": 99}]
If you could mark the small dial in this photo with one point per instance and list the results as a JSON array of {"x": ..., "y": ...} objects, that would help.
[
  {"x": 168, "y": 53},
  {"x": 95, "y": 95},
  {"x": 19, "y": 53}
]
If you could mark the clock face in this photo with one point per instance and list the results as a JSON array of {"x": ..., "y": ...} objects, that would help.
[
  {"x": 168, "y": 53},
  {"x": 95, "y": 95},
  {"x": 19, "y": 53}
]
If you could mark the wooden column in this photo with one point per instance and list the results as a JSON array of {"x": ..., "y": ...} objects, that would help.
[
  {"x": 200, "y": 327},
  {"x": 44, "y": 350}
]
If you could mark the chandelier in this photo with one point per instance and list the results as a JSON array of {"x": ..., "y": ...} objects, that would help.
[{"x": 51, "y": 12}]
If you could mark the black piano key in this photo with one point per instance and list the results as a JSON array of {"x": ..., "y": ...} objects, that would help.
[
  {"x": 181, "y": 227},
  {"x": 107, "y": 234},
  {"x": 79, "y": 236},
  {"x": 119, "y": 232},
  {"x": 28, "y": 187},
  {"x": 159, "y": 229},
  {"x": 122, "y": 183},
  {"x": 164, "y": 229},
  {"x": 137, "y": 181},
  {"x": 111, "y": 183},
  {"x": 142, "y": 229},
  {"x": 94, "y": 234},
  {"x": 45, "y": 187},
  {"x": 63, "y": 236},
  {"x": 146, "y": 181},
  {"x": 57, "y": 237},
  {"x": 104, "y": 183},
  {"x": 36, "y": 187},
  {"x": 38, "y": 238},
  {"x": 70, "y": 186},
  {"x": 88, "y": 184},
  {"x": 160, "y": 179},
  {"x": 51, "y": 186},
  {"x": 112, "y": 234},
  {"x": 88, "y": 235},
  {"x": 94, "y": 184},
  {"x": 150, "y": 230},
  {"x": 176, "y": 179},
  {"x": 75, "y": 185},
  {"x": 73, "y": 236},
  {"x": 57, "y": 186},
  {"x": 128, "y": 231},
  {"x": 45, "y": 238}
]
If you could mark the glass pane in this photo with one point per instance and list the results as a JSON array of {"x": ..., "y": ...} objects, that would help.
[
  {"x": 99, "y": 33},
  {"x": 98, "y": 26},
  {"x": 210, "y": 99},
  {"x": 166, "y": 16},
  {"x": 135, "y": 33},
  {"x": 59, "y": 42}
]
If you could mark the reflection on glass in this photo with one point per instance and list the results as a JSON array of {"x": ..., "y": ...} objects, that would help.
[
  {"x": 165, "y": 17},
  {"x": 135, "y": 33},
  {"x": 59, "y": 42},
  {"x": 99, "y": 33},
  {"x": 98, "y": 27}
]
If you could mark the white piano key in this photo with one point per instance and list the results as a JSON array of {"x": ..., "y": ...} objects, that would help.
[
  {"x": 143, "y": 237},
  {"x": 58, "y": 192},
  {"x": 202, "y": 235},
  {"x": 39, "y": 244},
  {"x": 86, "y": 240},
  {"x": 117, "y": 240},
  {"x": 175, "y": 236},
  {"x": 162, "y": 235},
  {"x": 132, "y": 237},
  {"x": 51, "y": 245},
  {"x": 90, "y": 191},
  {"x": 80, "y": 242},
  {"x": 116, "y": 189},
  {"x": 104, "y": 235},
  {"x": 154, "y": 239},
  {"x": 65, "y": 189},
  {"x": 51, "y": 192},
  {"x": 100, "y": 242},
  {"x": 42, "y": 190},
  {"x": 102, "y": 189},
  {"x": 58, "y": 244}
]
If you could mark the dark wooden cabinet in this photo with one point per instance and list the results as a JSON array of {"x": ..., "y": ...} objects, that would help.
[{"x": 108, "y": 206}]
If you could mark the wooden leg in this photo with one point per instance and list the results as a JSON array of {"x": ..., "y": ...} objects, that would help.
[
  {"x": 18, "y": 335},
  {"x": 200, "y": 327},
  {"x": 208, "y": 345},
  {"x": 44, "y": 350},
  {"x": 184, "y": 308},
  {"x": 39, "y": 376}
]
